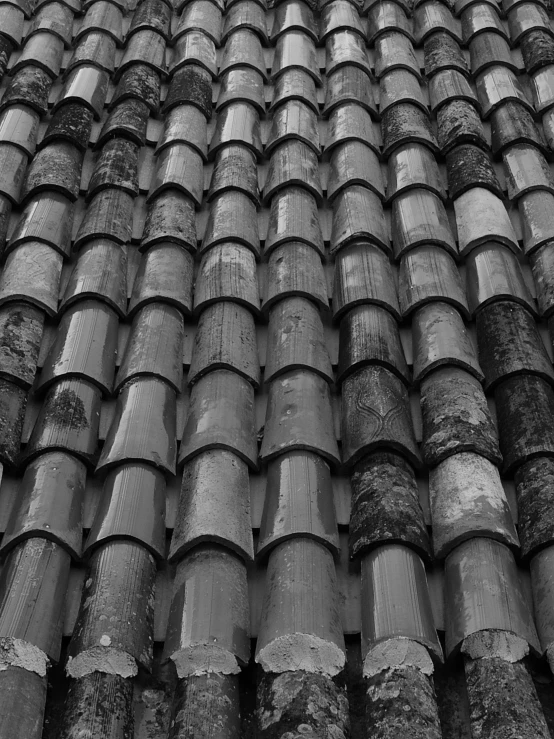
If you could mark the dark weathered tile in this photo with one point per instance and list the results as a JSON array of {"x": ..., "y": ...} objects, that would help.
[
  {"x": 299, "y": 417},
  {"x": 467, "y": 500},
  {"x": 394, "y": 51},
  {"x": 23, "y": 700},
  {"x": 468, "y": 166},
  {"x": 96, "y": 49},
  {"x": 73, "y": 123},
  {"x": 225, "y": 339},
  {"x": 116, "y": 167},
  {"x": 293, "y": 216},
  {"x": 294, "y": 268},
  {"x": 363, "y": 274},
  {"x": 227, "y": 272},
  {"x": 21, "y": 327},
  {"x": 140, "y": 82},
  {"x": 57, "y": 167},
  {"x": 207, "y": 692},
  {"x": 128, "y": 120},
  {"x": 132, "y": 507},
  {"x": 385, "y": 506},
  {"x": 542, "y": 264},
  {"x": 99, "y": 702},
  {"x": 49, "y": 503},
  {"x": 109, "y": 216},
  {"x": 458, "y": 122},
  {"x": 30, "y": 86},
  {"x": 442, "y": 51},
  {"x": 165, "y": 275},
  {"x": 406, "y": 124},
  {"x": 440, "y": 338},
  {"x": 511, "y": 124},
  {"x": 42, "y": 50},
  {"x": 300, "y": 626},
  {"x": 376, "y": 415},
  {"x": 114, "y": 629},
  {"x": 369, "y": 335},
  {"x": 299, "y": 502},
  {"x": 537, "y": 48},
  {"x": 524, "y": 407},
  {"x": 85, "y": 346},
  {"x": 170, "y": 217},
  {"x": 358, "y": 214},
  {"x": 534, "y": 504},
  {"x": 144, "y": 47},
  {"x": 153, "y": 14},
  {"x": 143, "y": 427},
  {"x": 214, "y": 505},
  {"x": 13, "y": 403}
]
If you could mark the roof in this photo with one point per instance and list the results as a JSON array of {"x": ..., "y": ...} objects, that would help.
[{"x": 276, "y": 380}]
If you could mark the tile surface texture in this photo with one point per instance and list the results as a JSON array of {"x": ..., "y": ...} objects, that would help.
[{"x": 276, "y": 379}]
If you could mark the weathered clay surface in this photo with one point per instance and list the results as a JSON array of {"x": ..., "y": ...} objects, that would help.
[
  {"x": 30, "y": 86},
  {"x": 405, "y": 123},
  {"x": 401, "y": 703},
  {"x": 458, "y": 123},
  {"x": 22, "y": 701},
  {"x": 442, "y": 52},
  {"x": 141, "y": 83},
  {"x": 503, "y": 701},
  {"x": 21, "y": 327},
  {"x": 535, "y": 502},
  {"x": 13, "y": 402},
  {"x": 205, "y": 707},
  {"x": 513, "y": 124},
  {"x": 456, "y": 417},
  {"x": 469, "y": 166},
  {"x": 72, "y": 122},
  {"x": 301, "y": 704},
  {"x": 537, "y": 48},
  {"x": 129, "y": 120},
  {"x": 99, "y": 705},
  {"x": 385, "y": 505}
]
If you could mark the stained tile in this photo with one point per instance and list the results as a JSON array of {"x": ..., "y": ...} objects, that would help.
[
  {"x": 29, "y": 86},
  {"x": 243, "y": 49},
  {"x": 295, "y": 50},
  {"x": 482, "y": 217},
  {"x": 170, "y": 217},
  {"x": 127, "y": 120},
  {"x": 448, "y": 85},
  {"x": 13, "y": 166},
  {"x": 293, "y": 120},
  {"x": 296, "y": 339},
  {"x": 433, "y": 16},
  {"x": 358, "y": 214},
  {"x": 227, "y": 272},
  {"x": 202, "y": 16},
  {"x": 543, "y": 89},
  {"x": 237, "y": 123},
  {"x": 6, "y": 48},
  {"x": 144, "y": 47},
  {"x": 54, "y": 18},
  {"x": 292, "y": 163},
  {"x": 32, "y": 273},
  {"x": 47, "y": 217},
  {"x": 153, "y": 14},
  {"x": 510, "y": 344},
  {"x": 102, "y": 16},
  {"x": 72, "y": 123},
  {"x": 299, "y": 502},
  {"x": 346, "y": 48},
  {"x": 33, "y": 584},
  {"x": 387, "y": 16},
  {"x": 232, "y": 217},
  {"x": 394, "y": 51},
  {"x": 132, "y": 507},
  {"x": 467, "y": 167},
  {"x": 480, "y": 18},
  {"x": 49, "y": 503},
  {"x": 91, "y": 691},
  {"x": 526, "y": 17},
  {"x": 13, "y": 402},
  {"x": 139, "y": 82},
  {"x": 184, "y": 124},
  {"x": 497, "y": 84},
  {"x": 493, "y": 273},
  {"x": 213, "y": 581},
  {"x": 369, "y": 335},
  {"x": 165, "y": 275},
  {"x": 294, "y": 217},
  {"x": 234, "y": 169},
  {"x": 363, "y": 275},
  {"x": 429, "y": 273},
  {"x": 245, "y": 14},
  {"x": 68, "y": 421},
  {"x": 22, "y": 687},
  {"x": 225, "y": 339},
  {"x": 19, "y": 126},
  {"x": 214, "y": 505},
  {"x": 526, "y": 170},
  {"x": 413, "y": 166},
  {"x": 194, "y": 47},
  {"x": 43, "y": 50},
  {"x": 442, "y": 52},
  {"x": 221, "y": 416},
  {"x": 542, "y": 264},
  {"x": 468, "y": 500},
  {"x": 468, "y": 568},
  {"x": 406, "y": 124},
  {"x": 337, "y": 16},
  {"x": 537, "y": 48},
  {"x": 96, "y": 49},
  {"x": 178, "y": 167},
  {"x": 202, "y": 691},
  {"x": 293, "y": 16},
  {"x": 108, "y": 216},
  {"x": 299, "y": 417},
  {"x": 116, "y": 167},
  {"x": 440, "y": 339},
  {"x": 119, "y": 584},
  {"x": 348, "y": 84},
  {"x": 57, "y": 167},
  {"x": 419, "y": 217},
  {"x": 243, "y": 85},
  {"x": 289, "y": 633},
  {"x": 534, "y": 491},
  {"x": 354, "y": 163},
  {"x": 400, "y": 86},
  {"x": 85, "y": 346},
  {"x": 456, "y": 417},
  {"x": 143, "y": 427},
  {"x": 86, "y": 85},
  {"x": 295, "y": 269},
  {"x": 11, "y": 20},
  {"x": 350, "y": 122}
]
